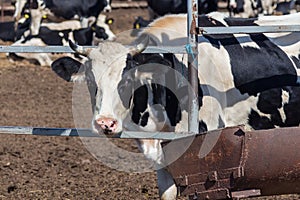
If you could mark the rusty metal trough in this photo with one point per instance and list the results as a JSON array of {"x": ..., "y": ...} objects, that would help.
[{"x": 234, "y": 163}]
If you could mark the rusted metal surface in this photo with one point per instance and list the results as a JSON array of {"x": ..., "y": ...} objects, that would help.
[{"x": 238, "y": 164}]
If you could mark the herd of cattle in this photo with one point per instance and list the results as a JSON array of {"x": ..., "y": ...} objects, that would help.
[
  {"x": 250, "y": 79},
  {"x": 50, "y": 22}
]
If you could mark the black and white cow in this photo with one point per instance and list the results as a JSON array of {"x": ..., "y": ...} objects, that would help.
[
  {"x": 64, "y": 9},
  {"x": 286, "y": 7},
  {"x": 250, "y": 79},
  {"x": 139, "y": 24},
  {"x": 8, "y": 31},
  {"x": 253, "y": 8},
  {"x": 50, "y": 37},
  {"x": 159, "y": 8},
  {"x": 246, "y": 8}
]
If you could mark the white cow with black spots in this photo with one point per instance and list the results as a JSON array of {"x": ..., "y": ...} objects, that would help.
[{"x": 250, "y": 79}]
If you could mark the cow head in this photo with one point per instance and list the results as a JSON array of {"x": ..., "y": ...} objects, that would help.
[
  {"x": 103, "y": 74},
  {"x": 107, "y": 8},
  {"x": 105, "y": 23},
  {"x": 123, "y": 95}
]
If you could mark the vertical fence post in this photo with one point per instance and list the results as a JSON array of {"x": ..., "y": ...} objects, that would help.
[{"x": 192, "y": 50}]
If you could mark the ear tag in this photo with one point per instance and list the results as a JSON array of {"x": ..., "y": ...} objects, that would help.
[{"x": 110, "y": 22}]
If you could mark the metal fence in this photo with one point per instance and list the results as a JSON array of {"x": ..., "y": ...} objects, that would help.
[{"x": 190, "y": 48}]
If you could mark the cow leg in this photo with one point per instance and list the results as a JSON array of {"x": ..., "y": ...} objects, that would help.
[
  {"x": 153, "y": 151},
  {"x": 166, "y": 185}
]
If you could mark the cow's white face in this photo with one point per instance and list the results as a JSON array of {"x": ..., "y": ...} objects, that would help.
[
  {"x": 117, "y": 85},
  {"x": 107, "y": 64}
]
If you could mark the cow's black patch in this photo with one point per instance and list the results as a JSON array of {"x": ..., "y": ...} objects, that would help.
[
  {"x": 296, "y": 61},
  {"x": 258, "y": 122},
  {"x": 292, "y": 108},
  {"x": 8, "y": 32},
  {"x": 140, "y": 98},
  {"x": 163, "y": 7},
  {"x": 99, "y": 32},
  {"x": 233, "y": 21},
  {"x": 254, "y": 69},
  {"x": 144, "y": 119},
  {"x": 83, "y": 8},
  {"x": 133, "y": 93},
  {"x": 269, "y": 102},
  {"x": 202, "y": 127},
  {"x": 53, "y": 37},
  {"x": 83, "y": 36}
]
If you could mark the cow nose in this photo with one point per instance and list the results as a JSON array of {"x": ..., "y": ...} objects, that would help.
[{"x": 107, "y": 124}]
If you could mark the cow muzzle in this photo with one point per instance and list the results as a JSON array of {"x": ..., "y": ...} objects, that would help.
[{"x": 107, "y": 125}]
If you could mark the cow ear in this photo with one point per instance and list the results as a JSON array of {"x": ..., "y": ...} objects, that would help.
[{"x": 67, "y": 68}]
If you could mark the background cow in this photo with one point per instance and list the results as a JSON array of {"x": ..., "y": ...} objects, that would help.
[
  {"x": 64, "y": 9},
  {"x": 250, "y": 79},
  {"x": 245, "y": 8},
  {"x": 286, "y": 7},
  {"x": 9, "y": 33},
  {"x": 52, "y": 37},
  {"x": 253, "y": 8}
]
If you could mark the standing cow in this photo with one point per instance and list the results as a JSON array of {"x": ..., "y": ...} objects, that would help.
[
  {"x": 246, "y": 8},
  {"x": 64, "y": 9},
  {"x": 250, "y": 79}
]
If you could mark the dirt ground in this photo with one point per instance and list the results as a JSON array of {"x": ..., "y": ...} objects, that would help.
[{"x": 38, "y": 167}]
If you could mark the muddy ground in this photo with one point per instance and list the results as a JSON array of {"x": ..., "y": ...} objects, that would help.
[{"x": 38, "y": 167}]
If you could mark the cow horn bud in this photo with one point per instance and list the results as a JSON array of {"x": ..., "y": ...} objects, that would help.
[
  {"x": 141, "y": 46},
  {"x": 79, "y": 49}
]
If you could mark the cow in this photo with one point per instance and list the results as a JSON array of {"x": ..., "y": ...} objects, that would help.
[
  {"x": 284, "y": 8},
  {"x": 63, "y": 9},
  {"x": 105, "y": 22},
  {"x": 107, "y": 8},
  {"x": 268, "y": 6},
  {"x": 250, "y": 79},
  {"x": 8, "y": 33},
  {"x": 139, "y": 24},
  {"x": 159, "y": 8},
  {"x": 47, "y": 36},
  {"x": 245, "y": 8}
]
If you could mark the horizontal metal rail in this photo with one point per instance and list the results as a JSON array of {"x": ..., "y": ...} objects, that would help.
[
  {"x": 161, "y": 49},
  {"x": 248, "y": 29},
  {"x": 21, "y": 130},
  {"x": 67, "y": 49}
]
